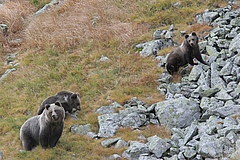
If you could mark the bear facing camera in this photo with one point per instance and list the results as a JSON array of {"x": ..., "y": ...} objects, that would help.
[
  {"x": 44, "y": 129},
  {"x": 184, "y": 54},
  {"x": 69, "y": 101}
]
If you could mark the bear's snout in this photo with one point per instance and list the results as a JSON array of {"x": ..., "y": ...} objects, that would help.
[
  {"x": 78, "y": 108},
  {"x": 54, "y": 116}
]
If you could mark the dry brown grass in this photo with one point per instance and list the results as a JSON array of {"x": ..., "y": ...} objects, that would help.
[
  {"x": 201, "y": 29},
  {"x": 74, "y": 23},
  {"x": 14, "y": 13},
  {"x": 128, "y": 134}
]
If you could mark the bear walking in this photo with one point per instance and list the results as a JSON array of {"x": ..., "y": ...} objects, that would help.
[
  {"x": 44, "y": 129},
  {"x": 69, "y": 101},
  {"x": 184, "y": 54}
]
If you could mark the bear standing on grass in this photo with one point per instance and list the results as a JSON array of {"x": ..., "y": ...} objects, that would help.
[
  {"x": 44, "y": 129},
  {"x": 184, "y": 54},
  {"x": 69, "y": 101}
]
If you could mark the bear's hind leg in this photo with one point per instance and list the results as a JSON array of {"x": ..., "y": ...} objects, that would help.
[
  {"x": 170, "y": 68},
  {"x": 28, "y": 144}
]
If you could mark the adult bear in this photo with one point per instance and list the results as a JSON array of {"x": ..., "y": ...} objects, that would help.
[
  {"x": 69, "y": 101},
  {"x": 184, "y": 54},
  {"x": 44, "y": 129}
]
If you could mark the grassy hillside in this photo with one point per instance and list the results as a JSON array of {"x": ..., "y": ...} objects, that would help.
[{"x": 61, "y": 50}]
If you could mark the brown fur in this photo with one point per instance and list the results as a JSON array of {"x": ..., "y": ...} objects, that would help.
[
  {"x": 44, "y": 129},
  {"x": 184, "y": 54},
  {"x": 69, "y": 101}
]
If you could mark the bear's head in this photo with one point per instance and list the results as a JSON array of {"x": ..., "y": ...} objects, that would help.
[
  {"x": 192, "y": 39},
  {"x": 75, "y": 101},
  {"x": 54, "y": 113}
]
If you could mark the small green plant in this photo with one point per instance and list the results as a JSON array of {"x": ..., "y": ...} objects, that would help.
[
  {"x": 35, "y": 2},
  {"x": 40, "y": 3}
]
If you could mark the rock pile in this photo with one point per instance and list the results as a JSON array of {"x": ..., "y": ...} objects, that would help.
[
  {"x": 162, "y": 39},
  {"x": 215, "y": 130},
  {"x": 202, "y": 110},
  {"x": 12, "y": 65}
]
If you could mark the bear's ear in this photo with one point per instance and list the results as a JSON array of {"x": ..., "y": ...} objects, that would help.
[
  {"x": 47, "y": 106},
  {"x": 58, "y": 104},
  {"x": 194, "y": 34},
  {"x": 186, "y": 36},
  {"x": 74, "y": 96}
]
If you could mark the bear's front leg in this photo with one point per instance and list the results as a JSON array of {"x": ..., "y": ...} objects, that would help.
[
  {"x": 56, "y": 134},
  {"x": 189, "y": 59},
  {"x": 44, "y": 138}
]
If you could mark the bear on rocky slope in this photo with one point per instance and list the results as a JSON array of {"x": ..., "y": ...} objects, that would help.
[
  {"x": 69, "y": 101},
  {"x": 44, "y": 129},
  {"x": 184, "y": 54}
]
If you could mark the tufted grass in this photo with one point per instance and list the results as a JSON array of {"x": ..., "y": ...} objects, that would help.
[{"x": 61, "y": 51}]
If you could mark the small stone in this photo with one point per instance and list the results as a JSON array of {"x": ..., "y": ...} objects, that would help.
[{"x": 81, "y": 129}]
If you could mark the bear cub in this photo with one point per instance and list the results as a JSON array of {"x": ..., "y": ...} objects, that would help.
[
  {"x": 184, "y": 54},
  {"x": 44, "y": 129},
  {"x": 69, "y": 101}
]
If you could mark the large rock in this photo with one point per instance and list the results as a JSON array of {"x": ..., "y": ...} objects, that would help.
[
  {"x": 229, "y": 110},
  {"x": 216, "y": 80},
  {"x": 157, "y": 146},
  {"x": 133, "y": 117},
  {"x": 109, "y": 142},
  {"x": 47, "y": 7},
  {"x": 135, "y": 150},
  {"x": 152, "y": 47},
  {"x": 210, "y": 147},
  {"x": 134, "y": 120},
  {"x": 227, "y": 69},
  {"x": 195, "y": 73},
  {"x": 81, "y": 129},
  {"x": 223, "y": 95},
  {"x": 108, "y": 125},
  {"x": 191, "y": 131},
  {"x": 234, "y": 45},
  {"x": 209, "y": 17},
  {"x": 178, "y": 112}
]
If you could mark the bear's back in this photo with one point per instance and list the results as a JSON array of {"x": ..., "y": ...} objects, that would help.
[{"x": 68, "y": 99}]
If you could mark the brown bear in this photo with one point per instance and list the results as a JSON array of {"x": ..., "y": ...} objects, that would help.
[
  {"x": 69, "y": 101},
  {"x": 44, "y": 129},
  {"x": 184, "y": 54}
]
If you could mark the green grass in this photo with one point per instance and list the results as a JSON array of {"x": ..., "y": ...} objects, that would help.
[
  {"x": 50, "y": 63},
  {"x": 40, "y": 3}
]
